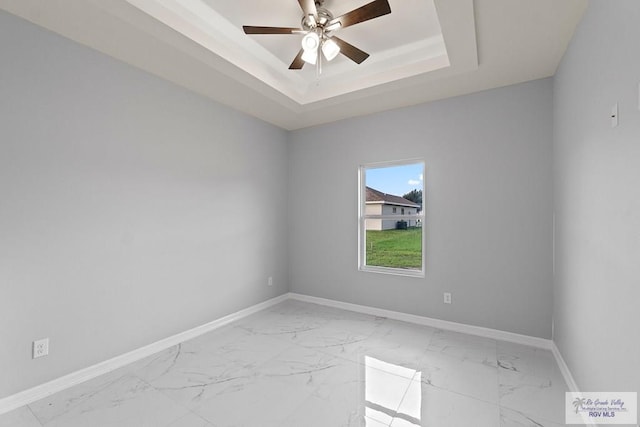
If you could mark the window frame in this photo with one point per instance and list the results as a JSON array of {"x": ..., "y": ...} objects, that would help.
[{"x": 362, "y": 217}]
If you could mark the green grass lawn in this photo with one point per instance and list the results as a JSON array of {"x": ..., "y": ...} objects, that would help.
[{"x": 395, "y": 248}]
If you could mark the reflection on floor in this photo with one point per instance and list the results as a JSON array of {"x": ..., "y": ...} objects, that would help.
[{"x": 305, "y": 365}]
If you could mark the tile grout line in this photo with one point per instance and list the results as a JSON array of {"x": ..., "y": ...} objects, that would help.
[
  {"x": 34, "y": 415},
  {"x": 374, "y": 329},
  {"x": 41, "y": 391},
  {"x": 36, "y": 393}
]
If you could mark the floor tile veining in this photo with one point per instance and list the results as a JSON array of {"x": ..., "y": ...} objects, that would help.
[{"x": 304, "y": 365}]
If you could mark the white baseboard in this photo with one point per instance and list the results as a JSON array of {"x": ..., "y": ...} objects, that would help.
[
  {"x": 47, "y": 389},
  {"x": 428, "y": 321},
  {"x": 564, "y": 369},
  {"x": 568, "y": 377},
  {"x": 41, "y": 391},
  {"x": 456, "y": 327}
]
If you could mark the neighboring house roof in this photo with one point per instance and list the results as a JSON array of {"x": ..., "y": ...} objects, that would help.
[{"x": 375, "y": 196}]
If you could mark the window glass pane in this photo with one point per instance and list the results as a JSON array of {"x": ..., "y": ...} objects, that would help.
[
  {"x": 393, "y": 247},
  {"x": 391, "y": 236}
]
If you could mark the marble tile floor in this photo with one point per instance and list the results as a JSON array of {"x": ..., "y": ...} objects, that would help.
[{"x": 304, "y": 365}]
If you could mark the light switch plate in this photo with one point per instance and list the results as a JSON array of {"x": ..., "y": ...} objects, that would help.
[{"x": 614, "y": 115}]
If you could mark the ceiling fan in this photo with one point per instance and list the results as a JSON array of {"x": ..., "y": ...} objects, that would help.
[{"x": 318, "y": 25}]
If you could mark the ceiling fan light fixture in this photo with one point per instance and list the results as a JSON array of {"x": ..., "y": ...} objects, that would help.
[
  {"x": 330, "y": 49},
  {"x": 310, "y": 42},
  {"x": 317, "y": 26},
  {"x": 310, "y": 56}
]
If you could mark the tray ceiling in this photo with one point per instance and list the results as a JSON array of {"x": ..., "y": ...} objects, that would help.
[
  {"x": 407, "y": 42},
  {"x": 423, "y": 51}
]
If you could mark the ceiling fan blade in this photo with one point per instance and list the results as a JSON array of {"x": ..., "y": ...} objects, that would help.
[
  {"x": 298, "y": 62},
  {"x": 309, "y": 7},
  {"x": 369, "y": 11},
  {"x": 249, "y": 29},
  {"x": 350, "y": 51}
]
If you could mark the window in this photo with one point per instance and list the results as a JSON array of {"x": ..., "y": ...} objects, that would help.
[{"x": 391, "y": 243}]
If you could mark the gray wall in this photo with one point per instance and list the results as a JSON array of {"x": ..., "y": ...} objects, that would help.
[
  {"x": 597, "y": 200},
  {"x": 130, "y": 209},
  {"x": 488, "y": 208}
]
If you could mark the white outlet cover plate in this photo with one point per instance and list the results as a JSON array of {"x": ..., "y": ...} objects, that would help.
[{"x": 40, "y": 348}]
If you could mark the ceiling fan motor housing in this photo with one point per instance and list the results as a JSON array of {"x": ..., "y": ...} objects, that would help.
[{"x": 310, "y": 22}]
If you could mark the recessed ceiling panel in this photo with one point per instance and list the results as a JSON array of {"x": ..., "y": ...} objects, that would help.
[
  {"x": 200, "y": 45},
  {"x": 407, "y": 42}
]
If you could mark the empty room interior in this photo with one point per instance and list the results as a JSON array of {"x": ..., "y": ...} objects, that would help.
[{"x": 387, "y": 213}]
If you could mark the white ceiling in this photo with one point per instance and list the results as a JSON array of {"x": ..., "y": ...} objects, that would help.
[
  {"x": 416, "y": 47},
  {"x": 407, "y": 42},
  {"x": 424, "y": 50}
]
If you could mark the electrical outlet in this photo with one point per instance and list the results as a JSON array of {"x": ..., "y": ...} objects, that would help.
[
  {"x": 447, "y": 298},
  {"x": 270, "y": 281},
  {"x": 40, "y": 348}
]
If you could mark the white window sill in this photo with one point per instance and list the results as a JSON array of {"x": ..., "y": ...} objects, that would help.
[{"x": 392, "y": 271}]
